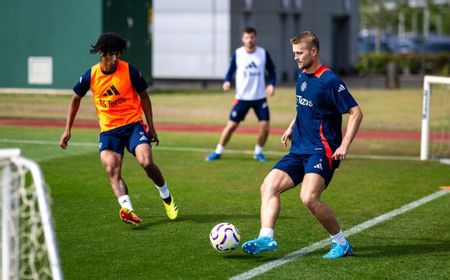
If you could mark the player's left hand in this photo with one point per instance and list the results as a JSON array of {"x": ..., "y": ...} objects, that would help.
[
  {"x": 153, "y": 136},
  {"x": 340, "y": 153},
  {"x": 270, "y": 90}
]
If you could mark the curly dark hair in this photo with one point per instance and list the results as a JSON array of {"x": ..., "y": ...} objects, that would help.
[{"x": 109, "y": 42}]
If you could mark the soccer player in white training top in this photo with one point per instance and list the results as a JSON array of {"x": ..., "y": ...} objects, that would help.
[{"x": 250, "y": 63}]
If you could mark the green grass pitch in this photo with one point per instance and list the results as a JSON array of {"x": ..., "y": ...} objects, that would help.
[{"x": 95, "y": 244}]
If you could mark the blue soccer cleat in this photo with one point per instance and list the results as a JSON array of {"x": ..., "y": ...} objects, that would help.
[
  {"x": 339, "y": 251},
  {"x": 212, "y": 156},
  {"x": 259, "y": 245},
  {"x": 259, "y": 157}
]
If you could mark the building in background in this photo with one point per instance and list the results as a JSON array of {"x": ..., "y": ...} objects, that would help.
[
  {"x": 45, "y": 44},
  {"x": 193, "y": 40}
]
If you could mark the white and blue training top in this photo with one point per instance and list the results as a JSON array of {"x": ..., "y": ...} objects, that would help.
[{"x": 250, "y": 71}]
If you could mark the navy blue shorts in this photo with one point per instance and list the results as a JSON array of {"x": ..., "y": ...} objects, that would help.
[
  {"x": 296, "y": 166},
  {"x": 241, "y": 107},
  {"x": 129, "y": 136}
]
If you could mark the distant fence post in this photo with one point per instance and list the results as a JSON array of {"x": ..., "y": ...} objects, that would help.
[{"x": 392, "y": 75}]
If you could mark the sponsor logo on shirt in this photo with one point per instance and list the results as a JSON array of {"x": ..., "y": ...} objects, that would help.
[
  {"x": 303, "y": 101},
  {"x": 109, "y": 103}
]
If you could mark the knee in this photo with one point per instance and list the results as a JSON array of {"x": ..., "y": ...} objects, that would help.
[
  {"x": 112, "y": 171},
  {"x": 231, "y": 127},
  {"x": 308, "y": 200},
  {"x": 265, "y": 126},
  {"x": 268, "y": 188},
  {"x": 146, "y": 163}
]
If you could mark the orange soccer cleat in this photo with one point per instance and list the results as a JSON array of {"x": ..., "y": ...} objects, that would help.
[{"x": 129, "y": 217}]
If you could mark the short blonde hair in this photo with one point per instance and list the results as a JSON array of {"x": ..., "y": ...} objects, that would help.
[{"x": 307, "y": 37}]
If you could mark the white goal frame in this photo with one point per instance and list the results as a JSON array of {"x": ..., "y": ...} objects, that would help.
[
  {"x": 425, "y": 135},
  {"x": 10, "y": 162}
]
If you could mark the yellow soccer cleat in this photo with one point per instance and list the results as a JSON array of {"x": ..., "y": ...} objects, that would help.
[
  {"x": 171, "y": 209},
  {"x": 129, "y": 217}
]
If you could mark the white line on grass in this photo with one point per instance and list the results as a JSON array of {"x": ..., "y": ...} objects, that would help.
[
  {"x": 323, "y": 243},
  {"x": 198, "y": 150}
]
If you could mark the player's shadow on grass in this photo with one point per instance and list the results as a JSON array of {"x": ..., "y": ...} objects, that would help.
[
  {"x": 152, "y": 221},
  {"x": 216, "y": 218},
  {"x": 382, "y": 251},
  {"x": 262, "y": 258}
]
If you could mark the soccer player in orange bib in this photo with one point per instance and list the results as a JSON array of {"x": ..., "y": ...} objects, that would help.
[{"x": 120, "y": 97}]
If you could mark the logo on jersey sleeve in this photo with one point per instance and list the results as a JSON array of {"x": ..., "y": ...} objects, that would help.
[{"x": 341, "y": 88}]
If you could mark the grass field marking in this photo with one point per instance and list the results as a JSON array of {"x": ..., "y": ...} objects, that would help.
[
  {"x": 200, "y": 150},
  {"x": 323, "y": 243},
  {"x": 45, "y": 142}
]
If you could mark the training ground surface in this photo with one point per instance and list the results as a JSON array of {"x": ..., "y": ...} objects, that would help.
[{"x": 391, "y": 135}]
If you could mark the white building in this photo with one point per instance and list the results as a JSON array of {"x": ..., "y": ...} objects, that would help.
[{"x": 194, "y": 40}]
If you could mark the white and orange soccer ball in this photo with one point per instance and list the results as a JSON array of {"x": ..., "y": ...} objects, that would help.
[{"x": 224, "y": 237}]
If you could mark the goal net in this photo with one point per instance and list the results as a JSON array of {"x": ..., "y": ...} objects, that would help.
[
  {"x": 28, "y": 244},
  {"x": 435, "y": 140}
]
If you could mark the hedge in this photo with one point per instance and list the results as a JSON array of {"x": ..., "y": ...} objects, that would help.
[{"x": 376, "y": 63}]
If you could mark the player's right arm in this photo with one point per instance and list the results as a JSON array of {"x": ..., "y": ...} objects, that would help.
[
  {"x": 229, "y": 76},
  {"x": 74, "y": 105},
  {"x": 80, "y": 90},
  {"x": 287, "y": 135}
]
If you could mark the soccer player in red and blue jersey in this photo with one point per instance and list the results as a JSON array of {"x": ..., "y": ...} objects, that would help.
[
  {"x": 120, "y": 97},
  {"x": 317, "y": 147}
]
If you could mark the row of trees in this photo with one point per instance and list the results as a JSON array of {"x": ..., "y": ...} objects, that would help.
[{"x": 418, "y": 18}]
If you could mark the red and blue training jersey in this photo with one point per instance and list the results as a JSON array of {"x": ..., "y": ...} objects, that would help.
[{"x": 321, "y": 99}]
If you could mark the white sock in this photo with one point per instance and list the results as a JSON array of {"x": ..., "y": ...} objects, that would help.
[
  {"x": 219, "y": 149},
  {"x": 338, "y": 238},
  {"x": 163, "y": 191},
  {"x": 125, "y": 202},
  {"x": 266, "y": 232},
  {"x": 258, "y": 149}
]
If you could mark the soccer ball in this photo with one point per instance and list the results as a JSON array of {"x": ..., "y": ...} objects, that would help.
[{"x": 224, "y": 237}]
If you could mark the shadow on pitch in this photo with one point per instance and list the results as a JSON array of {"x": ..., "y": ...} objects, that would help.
[
  {"x": 149, "y": 221},
  {"x": 263, "y": 257},
  {"x": 218, "y": 218},
  {"x": 382, "y": 251}
]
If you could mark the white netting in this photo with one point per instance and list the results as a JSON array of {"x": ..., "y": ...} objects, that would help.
[
  {"x": 26, "y": 252},
  {"x": 439, "y": 121}
]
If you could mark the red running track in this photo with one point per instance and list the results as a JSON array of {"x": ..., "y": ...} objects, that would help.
[{"x": 386, "y": 135}]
